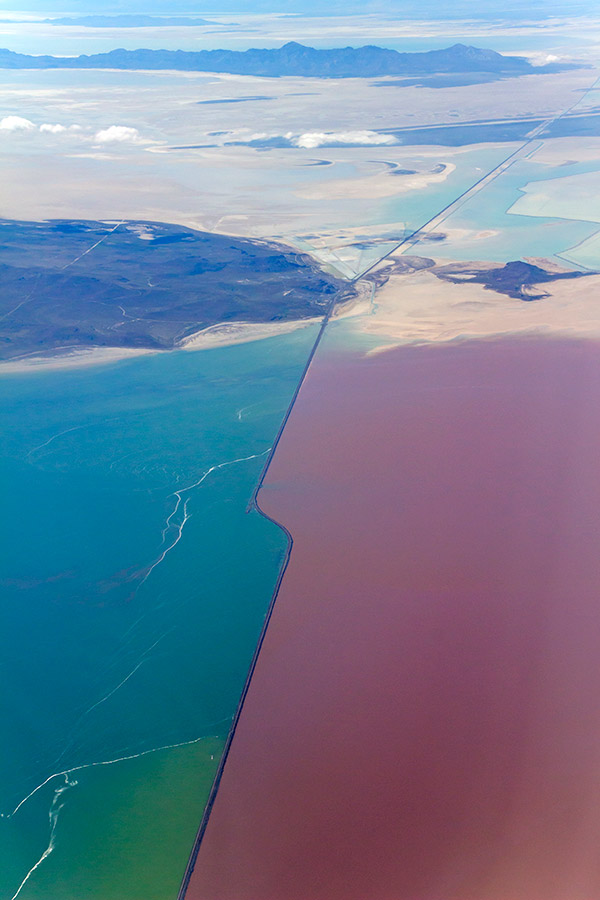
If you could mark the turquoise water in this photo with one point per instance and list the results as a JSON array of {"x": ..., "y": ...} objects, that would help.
[
  {"x": 515, "y": 236},
  {"x": 133, "y": 588},
  {"x": 586, "y": 254},
  {"x": 416, "y": 207}
]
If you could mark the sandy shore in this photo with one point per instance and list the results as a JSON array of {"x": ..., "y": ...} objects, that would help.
[
  {"x": 224, "y": 334},
  {"x": 418, "y": 307},
  {"x": 72, "y": 359},
  {"x": 375, "y": 186},
  {"x": 221, "y": 335},
  {"x": 359, "y": 304}
]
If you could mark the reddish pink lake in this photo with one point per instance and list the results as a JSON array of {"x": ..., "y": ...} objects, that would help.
[{"x": 424, "y": 720}]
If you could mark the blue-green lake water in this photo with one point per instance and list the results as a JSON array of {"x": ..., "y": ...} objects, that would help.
[
  {"x": 511, "y": 235},
  {"x": 134, "y": 585}
]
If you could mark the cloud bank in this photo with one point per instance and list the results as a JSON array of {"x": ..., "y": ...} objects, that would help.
[
  {"x": 312, "y": 139},
  {"x": 111, "y": 134},
  {"x": 309, "y": 140}
]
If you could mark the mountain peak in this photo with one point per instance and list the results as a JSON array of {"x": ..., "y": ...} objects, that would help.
[{"x": 293, "y": 59}]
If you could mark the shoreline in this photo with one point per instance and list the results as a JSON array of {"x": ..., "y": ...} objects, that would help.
[
  {"x": 225, "y": 334},
  {"x": 417, "y": 307},
  {"x": 73, "y": 358},
  {"x": 215, "y": 336},
  {"x": 255, "y": 506}
]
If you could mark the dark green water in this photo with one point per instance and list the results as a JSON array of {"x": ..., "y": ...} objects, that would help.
[{"x": 129, "y": 613}]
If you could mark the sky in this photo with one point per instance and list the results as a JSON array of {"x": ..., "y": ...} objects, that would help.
[
  {"x": 394, "y": 8},
  {"x": 508, "y": 26}
]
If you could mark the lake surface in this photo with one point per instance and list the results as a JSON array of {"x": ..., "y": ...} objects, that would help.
[
  {"x": 494, "y": 225},
  {"x": 134, "y": 587},
  {"x": 423, "y": 719}
]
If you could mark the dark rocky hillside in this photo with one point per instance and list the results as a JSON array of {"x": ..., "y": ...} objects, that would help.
[{"x": 81, "y": 284}]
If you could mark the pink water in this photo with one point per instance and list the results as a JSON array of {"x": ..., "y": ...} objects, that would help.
[{"x": 424, "y": 721}]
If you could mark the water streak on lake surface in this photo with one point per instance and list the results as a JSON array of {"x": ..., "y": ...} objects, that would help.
[
  {"x": 423, "y": 722},
  {"x": 134, "y": 587}
]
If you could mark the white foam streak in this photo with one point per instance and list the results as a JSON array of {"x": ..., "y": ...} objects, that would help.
[
  {"x": 178, "y": 495},
  {"x": 53, "y": 816},
  {"x": 171, "y": 517},
  {"x": 120, "y": 459},
  {"x": 240, "y": 412},
  {"x": 179, "y": 532},
  {"x": 107, "y": 762},
  {"x": 53, "y": 438},
  {"x": 55, "y": 808},
  {"x": 59, "y": 434},
  {"x": 127, "y": 677},
  {"x": 169, "y": 524},
  {"x": 114, "y": 690}
]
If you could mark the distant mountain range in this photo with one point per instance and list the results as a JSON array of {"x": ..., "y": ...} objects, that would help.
[
  {"x": 129, "y": 21},
  {"x": 292, "y": 59}
]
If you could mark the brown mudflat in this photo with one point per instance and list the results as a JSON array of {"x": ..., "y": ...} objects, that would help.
[{"x": 424, "y": 720}]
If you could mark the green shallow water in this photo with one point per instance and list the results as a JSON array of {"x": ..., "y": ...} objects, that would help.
[
  {"x": 129, "y": 615},
  {"x": 126, "y": 830}
]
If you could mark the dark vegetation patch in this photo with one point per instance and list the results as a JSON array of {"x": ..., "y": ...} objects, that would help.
[
  {"x": 517, "y": 279},
  {"x": 131, "y": 291},
  {"x": 432, "y": 237}
]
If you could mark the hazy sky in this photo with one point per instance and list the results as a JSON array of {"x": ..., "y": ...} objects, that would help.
[{"x": 516, "y": 9}]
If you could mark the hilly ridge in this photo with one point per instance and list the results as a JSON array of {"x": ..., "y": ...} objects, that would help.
[{"x": 292, "y": 59}]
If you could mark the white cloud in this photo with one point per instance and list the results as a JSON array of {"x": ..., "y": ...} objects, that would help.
[
  {"x": 116, "y": 134},
  {"x": 312, "y": 139},
  {"x": 542, "y": 59},
  {"x": 52, "y": 129},
  {"x": 16, "y": 123}
]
